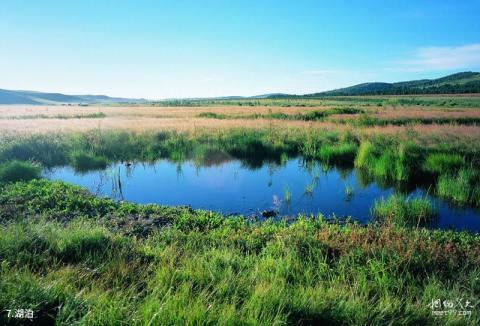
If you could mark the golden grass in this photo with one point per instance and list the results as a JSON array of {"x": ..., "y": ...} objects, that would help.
[
  {"x": 148, "y": 124},
  {"x": 146, "y": 111},
  {"x": 141, "y": 119}
]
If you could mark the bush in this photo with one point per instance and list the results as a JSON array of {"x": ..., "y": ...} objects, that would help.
[{"x": 13, "y": 171}]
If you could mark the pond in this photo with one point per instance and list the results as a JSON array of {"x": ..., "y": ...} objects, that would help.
[{"x": 231, "y": 187}]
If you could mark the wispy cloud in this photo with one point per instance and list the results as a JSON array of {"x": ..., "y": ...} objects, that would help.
[{"x": 441, "y": 58}]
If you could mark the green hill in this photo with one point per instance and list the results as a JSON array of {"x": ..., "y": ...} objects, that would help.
[{"x": 459, "y": 83}]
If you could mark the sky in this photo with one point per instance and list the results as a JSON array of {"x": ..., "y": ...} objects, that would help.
[{"x": 185, "y": 48}]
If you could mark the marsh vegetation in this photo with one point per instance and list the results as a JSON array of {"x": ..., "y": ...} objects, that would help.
[
  {"x": 69, "y": 255},
  {"x": 157, "y": 264}
]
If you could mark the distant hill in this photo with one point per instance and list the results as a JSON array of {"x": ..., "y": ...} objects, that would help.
[
  {"x": 31, "y": 97},
  {"x": 459, "y": 83}
]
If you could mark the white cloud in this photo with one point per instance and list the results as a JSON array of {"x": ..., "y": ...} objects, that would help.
[{"x": 441, "y": 58}]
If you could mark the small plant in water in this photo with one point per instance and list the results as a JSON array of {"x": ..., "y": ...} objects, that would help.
[
  {"x": 287, "y": 195},
  {"x": 283, "y": 158},
  {"x": 348, "y": 192},
  {"x": 404, "y": 211},
  {"x": 309, "y": 189}
]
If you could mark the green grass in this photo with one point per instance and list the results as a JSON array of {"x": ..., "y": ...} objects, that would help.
[
  {"x": 78, "y": 259},
  {"x": 364, "y": 155},
  {"x": 368, "y": 120},
  {"x": 443, "y": 162},
  {"x": 13, "y": 171},
  {"x": 460, "y": 188},
  {"x": 212, "y": 115},
  {"x": 447, "y": 101},
  {"x": 343, "y": 154},
  {"x": 82, "y": 161},
  {"x": 317, "y": 115},
  {"x": 404, "y": 211},
  {"x": 390, "y": 161}
]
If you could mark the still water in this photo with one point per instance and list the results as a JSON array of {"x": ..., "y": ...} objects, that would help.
[{"x": 231, "y": 187}]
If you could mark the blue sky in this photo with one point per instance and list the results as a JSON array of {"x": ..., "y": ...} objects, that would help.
[{"x": 165, "y": 49}]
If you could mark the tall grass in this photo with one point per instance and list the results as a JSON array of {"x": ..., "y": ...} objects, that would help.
[
  {"x": 443, "y": 162},
  {"x": 82, "y": 161},
  {"x": 404, "y": 211},
  {"x": 364, "y": 155},
  {"x": 390, "y": 161},
  {"x": 343, "y": 154},
  {"x": 461, "y": 187}
]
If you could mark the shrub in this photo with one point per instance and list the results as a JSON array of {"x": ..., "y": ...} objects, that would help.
[{"x": 13, "y": 171}]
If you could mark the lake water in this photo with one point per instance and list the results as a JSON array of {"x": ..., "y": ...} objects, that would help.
[{"x": 231, "y": 187}]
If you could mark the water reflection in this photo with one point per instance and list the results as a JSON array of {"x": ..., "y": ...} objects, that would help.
[{"x": 286, "y": 187}]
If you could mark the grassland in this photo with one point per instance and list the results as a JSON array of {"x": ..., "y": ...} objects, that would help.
[
  {"x": 76, "y": 258},
  {"x": 394, "y": 114}
]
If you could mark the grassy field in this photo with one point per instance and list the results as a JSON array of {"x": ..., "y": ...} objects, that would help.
[
  {"x": 76, "y": 258},
  {"x": 457, "y": 114}
]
